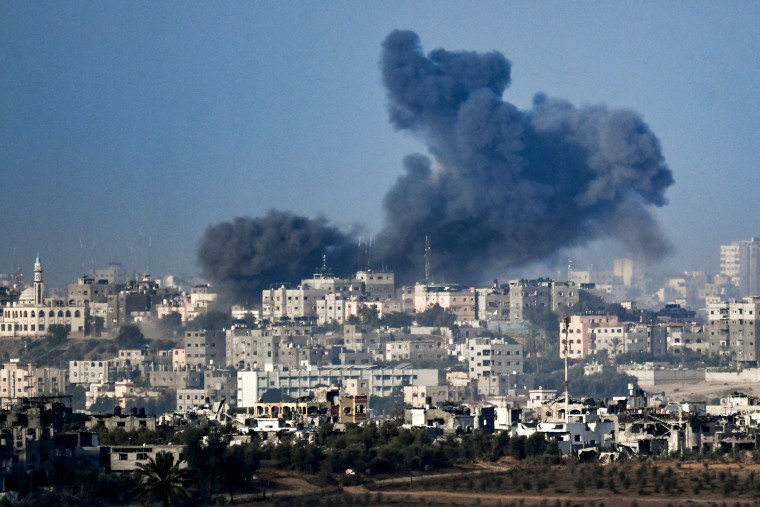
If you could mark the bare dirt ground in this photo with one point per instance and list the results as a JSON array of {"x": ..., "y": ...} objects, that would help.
[
  {"x": 703, "y": 391},
  {"x": 630, "y": 483}
]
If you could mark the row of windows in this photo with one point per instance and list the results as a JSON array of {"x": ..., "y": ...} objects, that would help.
[{"x": 27, "y": 313}]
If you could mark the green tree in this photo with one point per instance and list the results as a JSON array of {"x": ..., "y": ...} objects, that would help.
[
  {"x": 615, "y": 343},
  {"x": 436, "y": 316},
  {"x": 58, "y": 334},
  {"x": 130, "y": 337},
  {"x": 543, "y": 319},
  {"x": 238, "y": 465},
  {"x": 396, "y": 320},
  {"x": 171, "y": 323},
  {"x": 369, "y": 315},
  {"x": 161, "y": 478}
]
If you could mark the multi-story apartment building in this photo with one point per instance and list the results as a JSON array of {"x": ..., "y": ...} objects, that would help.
[
  {"x": 378, "y": 285},
  {"x": 564, "y": 296},
  {"x": 176, "y": 379},
  {"x": 188, "y": 306},
  {"x": 25, "y": 380},
  {"x": 492, "y": 357},
  {"x": 91, "y": 372},
  {"x": 460, "y": 301},
  {"x": 415, "y": 350},
  {"x": 581, "y": 340},
  {"x": 301, "y": 302},
  {"x": 504, "y": 385},
  {"x": 134, "y": 303},
  {"x": 525, "y": 294},
  {"x": 612, "y": 338},
  {"x": 205, "y": 349},
  {"x": 492, "y": 303},
  {"x": 358, "y": 338},
  {"x": 694, "y": 337},
  {"x": 113, "y": 274},
  {"x": 291, "y": 346},
  {"x": 422, "y": 396},
  {"x": 739, "y": 261},
  {"x": 218, "y": 386},
  {"x": 89, "y": 290},
  {"x": 301, "y": 382},
  {"x": 733, "y": 329}
]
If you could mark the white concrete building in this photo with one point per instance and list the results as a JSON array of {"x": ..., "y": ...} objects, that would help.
[
  {"x": 491, "y": 357},
  {"x": 33, "y": 314},
  {"x": 252, "y": 385},
  {"x": 739, "y": 261}
]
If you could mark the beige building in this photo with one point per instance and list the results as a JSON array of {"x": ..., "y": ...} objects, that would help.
[
  {"x": 205, "y": 348},
  {"x": 739, "y": 262},
  {"x": 124, "y": 458},
  {"x": 733, "y": 329},
  {"x": 378, "y": 285},
  {"x": 415, "y": 350},
  {"x": 301, "y": 302},
  {"x": 492, "y": 303},
  {"x": 422, "y": 396},
  {"x": 291, "y": 346},
  {"x": 90, "y": 372},
  {"x": 581, "y": 340},
  {"x": 33, "y": 314},
  {"x": 493, "y": 357},
  {"x": 25, "y": 380},
  {"x": 460, "y": 301},
  {"x": 188, "y": 306},
  {"x": 527, "y": 294}
]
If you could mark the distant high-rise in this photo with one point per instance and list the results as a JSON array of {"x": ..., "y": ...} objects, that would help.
[{"x": 739, "y": 261}]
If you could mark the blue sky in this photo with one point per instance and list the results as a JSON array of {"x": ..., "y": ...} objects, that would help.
[{"x": 129, "y": 124}]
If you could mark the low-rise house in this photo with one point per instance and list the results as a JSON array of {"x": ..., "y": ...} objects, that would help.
[
  {"x": 452, "y": 420},
  {"x": 125, "y": 458},
  {"x": 134, "y": 420}
]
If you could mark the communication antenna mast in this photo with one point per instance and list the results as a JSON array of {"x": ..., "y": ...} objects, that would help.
[
  {"x": 427, "y": 260},
  {"x": 569, "y": 269}
]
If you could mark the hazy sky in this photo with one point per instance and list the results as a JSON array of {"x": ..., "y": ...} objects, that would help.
[{"x": 125, "y": 125}]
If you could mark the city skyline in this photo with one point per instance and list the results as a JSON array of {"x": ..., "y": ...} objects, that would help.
[{"x": 127, "y": 130}]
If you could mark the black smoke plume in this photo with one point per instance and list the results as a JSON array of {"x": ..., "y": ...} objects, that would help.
[
  {"x": 502, "y": 188},
  {"x": 247, "y": 255}
]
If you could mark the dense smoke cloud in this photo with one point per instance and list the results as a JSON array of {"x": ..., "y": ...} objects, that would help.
[
  {"x": 504, "y": 187},
  {"x": 250, "y": 254}
]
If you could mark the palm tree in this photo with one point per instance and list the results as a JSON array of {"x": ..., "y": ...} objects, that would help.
[
  {"x": 162, "y": 478},
  {"x": 616, "y": 342}
]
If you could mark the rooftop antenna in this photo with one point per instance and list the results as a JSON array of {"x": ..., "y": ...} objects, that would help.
[
  {"x": 150, "y": 245},
  {"x": 427, "y": 260},
  {"x": 569, "y": 269},
  {"x": 324, "y": 263}
]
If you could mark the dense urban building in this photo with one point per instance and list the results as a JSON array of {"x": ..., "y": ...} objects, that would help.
[
  {"x": 739, "y": 262},
  {"x": 33, "y": 314}
]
